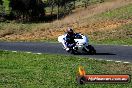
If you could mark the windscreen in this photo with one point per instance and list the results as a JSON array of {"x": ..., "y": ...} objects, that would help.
[{"x": 78, "y": 36}]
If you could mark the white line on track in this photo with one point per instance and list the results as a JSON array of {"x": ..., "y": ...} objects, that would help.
[
  {"x": 5, "y": 50},
  {"x": 89, "y": 58},
  {"x": 38, "y": 53},
  {"x": 14, "y": 51},
  {"x": 109, "y": 60},
  {"x": 118, "y": 61},
  {"x": 100, "y": 59},
  {"x": 28, "y": 52},
  {"x": 126, "y": 62}
]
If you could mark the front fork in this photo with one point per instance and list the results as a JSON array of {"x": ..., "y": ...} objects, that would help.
[{"x": 86, "y": 48}]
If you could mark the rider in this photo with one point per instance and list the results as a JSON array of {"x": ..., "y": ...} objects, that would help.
[{"x": 69, "y": 41}]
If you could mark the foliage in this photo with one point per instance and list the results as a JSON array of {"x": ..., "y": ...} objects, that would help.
[
  {"x": 1, "y": 2},
  {"x": 26, "y": 9}
]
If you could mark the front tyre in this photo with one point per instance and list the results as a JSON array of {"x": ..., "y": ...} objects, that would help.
[{"x": 92, "y": 50}]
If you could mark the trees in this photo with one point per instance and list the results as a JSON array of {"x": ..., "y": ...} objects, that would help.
[
  {"x": 64, "y": 5},
  {"x": 86, "y": 3},
  {"x": 51, "y": 3},
  {"x": 35, "y": 9},
  {"x": 27, "y": 9},
  {"x": 1, "y": 2}
]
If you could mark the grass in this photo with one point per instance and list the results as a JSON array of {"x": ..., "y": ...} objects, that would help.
[
  {"x": 22, "y": 70},
  {"x": 122, "y": 13},
  {"x": 121, "y": 35}
]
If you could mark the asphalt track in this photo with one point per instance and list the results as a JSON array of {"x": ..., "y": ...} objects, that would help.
[{"x": 106, "y": 52}]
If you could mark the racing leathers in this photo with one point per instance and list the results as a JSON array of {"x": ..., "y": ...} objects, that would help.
[{"x": 69, "y": 41}]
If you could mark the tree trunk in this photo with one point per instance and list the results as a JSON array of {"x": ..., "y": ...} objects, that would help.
[
  {"x": 58, "y": 12},
  {"x": 52, "y": 8},
  {"x": 74, "y": 4}
]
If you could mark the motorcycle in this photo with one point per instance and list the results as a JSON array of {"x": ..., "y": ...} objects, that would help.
[{"x": 81, "y": 44}]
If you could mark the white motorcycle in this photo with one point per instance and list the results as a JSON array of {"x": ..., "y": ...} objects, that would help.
[{"x": 81, "y": 44}]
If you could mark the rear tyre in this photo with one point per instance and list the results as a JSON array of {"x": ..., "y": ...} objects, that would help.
[
  {"x": 73, "y": 52},
  {"x": 92, "y": 52}
]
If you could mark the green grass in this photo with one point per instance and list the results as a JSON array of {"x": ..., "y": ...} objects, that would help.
[
  {"x": 122, "y": 13},
  {"x": 16, "y": 26},
  {"x": 22, "y": 70},
  {"x": 119, "y": 36}
]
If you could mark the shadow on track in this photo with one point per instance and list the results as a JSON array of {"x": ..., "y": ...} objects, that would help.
[
  {"x": 105, "y": 54},
  {"x": 95, "y": 54}
]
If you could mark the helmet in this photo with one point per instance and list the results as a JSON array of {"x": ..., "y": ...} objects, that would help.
[{"x": 70, "y": 31}]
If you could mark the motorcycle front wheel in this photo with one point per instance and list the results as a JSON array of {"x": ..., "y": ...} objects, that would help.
[{"x": 92, "y": 50}]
